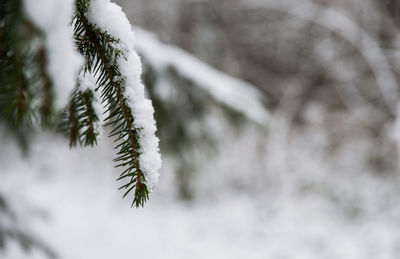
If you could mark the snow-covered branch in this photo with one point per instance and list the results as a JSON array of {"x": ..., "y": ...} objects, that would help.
[{"x": 235, "y": 93}]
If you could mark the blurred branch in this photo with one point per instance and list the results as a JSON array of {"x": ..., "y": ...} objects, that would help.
[
  {"x": 12, "y": 229},
  {"x": 234, "y": 93},
  {"x": 333, "y": 20}
]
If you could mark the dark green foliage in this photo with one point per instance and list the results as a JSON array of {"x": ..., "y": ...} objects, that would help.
[
  {"x": 26, "y": 91},
  {"x": 14, "y": 93}
]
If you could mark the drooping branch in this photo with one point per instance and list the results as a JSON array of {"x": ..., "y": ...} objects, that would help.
[{"x": 103, "y": 55}]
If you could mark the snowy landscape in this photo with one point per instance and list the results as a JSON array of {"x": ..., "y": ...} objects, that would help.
[
  {"x": 277, "y": 125},
  {"x": 303, "y": 209}
]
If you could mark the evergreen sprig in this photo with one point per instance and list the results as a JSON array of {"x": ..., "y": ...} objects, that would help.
[
  {"x": 99, "y": 49},
  {"x": 81, "y": 120}
]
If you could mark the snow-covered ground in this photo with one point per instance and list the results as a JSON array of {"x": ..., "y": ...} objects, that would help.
[{"x": 250, "y": 204}]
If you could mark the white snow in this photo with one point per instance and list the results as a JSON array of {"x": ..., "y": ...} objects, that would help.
[
  {"x": 53, "y": 17},
  {"x": 302, "y": 213},
  {"x": 86, "y": 81},
  {"x": 235, "y": 93},
  {"x": 110, "y": 18}
]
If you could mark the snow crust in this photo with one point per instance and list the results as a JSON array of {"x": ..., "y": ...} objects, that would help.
[
  {"x": 235, "y": 93},
  {"x": 53, "y": 17},
  {"x": 110, "y": 18}
]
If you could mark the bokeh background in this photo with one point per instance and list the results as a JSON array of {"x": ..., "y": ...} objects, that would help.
[{"x": 279, "y": 128}]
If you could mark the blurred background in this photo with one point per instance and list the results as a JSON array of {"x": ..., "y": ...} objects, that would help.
[{"x": 280, "y": 131}]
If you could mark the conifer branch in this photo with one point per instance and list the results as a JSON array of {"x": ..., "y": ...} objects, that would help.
[
  {"x": 99, "y": 49},
  {"x": 28, "y": 84}
]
